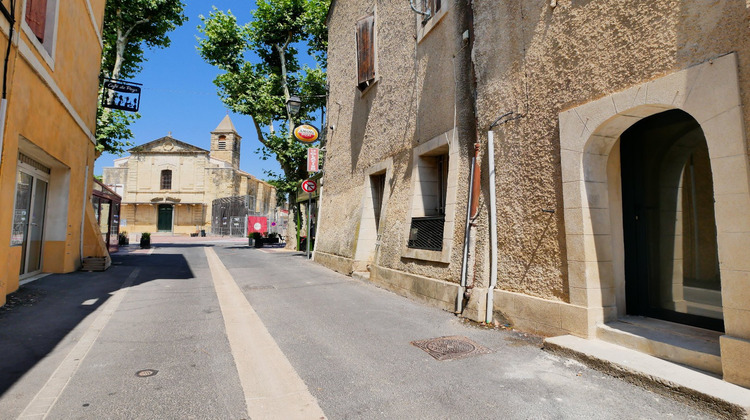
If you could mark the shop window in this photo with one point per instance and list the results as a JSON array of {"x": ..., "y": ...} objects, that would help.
[
  {"x": 166, "y": 179},
  {"x": 366, "y": 52}
]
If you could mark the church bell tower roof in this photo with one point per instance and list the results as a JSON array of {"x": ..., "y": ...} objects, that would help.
[{"x": 225, "y": 126}]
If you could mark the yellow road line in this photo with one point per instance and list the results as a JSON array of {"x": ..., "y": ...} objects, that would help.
[{"x": 272, "y": 388}]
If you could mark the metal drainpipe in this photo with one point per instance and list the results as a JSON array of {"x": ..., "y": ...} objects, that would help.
[
  {"x": 493, "y": 225},
  {"x": 467, "y": 232},
  {"x": 86, "y": 198}
]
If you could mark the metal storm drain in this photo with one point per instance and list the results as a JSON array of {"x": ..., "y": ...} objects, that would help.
[
  {"x": 453, "y": 347},
  {"x": 145, "y": 373}
]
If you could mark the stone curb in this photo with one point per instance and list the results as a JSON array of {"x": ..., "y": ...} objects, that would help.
[{"x": 700, "y": 390}]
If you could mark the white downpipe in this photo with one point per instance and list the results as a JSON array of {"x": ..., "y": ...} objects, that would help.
[
  {"x": 493, "y": 225},
  {"x": 3, "y": 110},
  {"x": 83, "y": 212}
]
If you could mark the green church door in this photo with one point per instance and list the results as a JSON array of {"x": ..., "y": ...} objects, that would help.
[{"x": 164, "y": 223}]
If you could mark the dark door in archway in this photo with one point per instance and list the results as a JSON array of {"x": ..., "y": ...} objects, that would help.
[
  {"x": 671, "y": 253},
  {"x": 164, "y": 223}
]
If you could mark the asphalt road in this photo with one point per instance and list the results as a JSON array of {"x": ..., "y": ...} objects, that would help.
[{"x": 72, "y": 346}]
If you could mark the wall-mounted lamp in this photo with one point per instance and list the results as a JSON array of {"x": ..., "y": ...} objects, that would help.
[{"x": 293, "y": 105}]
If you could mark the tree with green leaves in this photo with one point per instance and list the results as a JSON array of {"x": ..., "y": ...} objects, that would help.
[
  {"x": 129, "y": 27},
  {"x": 260, "y": 88}
]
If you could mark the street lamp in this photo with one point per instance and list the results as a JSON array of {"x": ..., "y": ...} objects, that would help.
[{"x": 293, "y": 105}]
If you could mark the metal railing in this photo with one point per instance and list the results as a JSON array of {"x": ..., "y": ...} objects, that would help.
[{"x": 229, "y": 216}]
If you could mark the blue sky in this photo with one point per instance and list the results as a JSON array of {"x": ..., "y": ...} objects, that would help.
[{"x": 179, "y": 96}]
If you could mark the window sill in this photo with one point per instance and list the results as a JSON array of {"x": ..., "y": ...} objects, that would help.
[
  {"x": 40, "y": 48},
  {"x": 424, "y": 29},
  {"x": 363, "y": 92},
  {"x": 427, "y": 255}
]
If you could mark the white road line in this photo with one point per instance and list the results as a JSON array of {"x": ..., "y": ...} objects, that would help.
[
  {"x": 45, "y": 399},
  {"x": 272, "y": 388}
]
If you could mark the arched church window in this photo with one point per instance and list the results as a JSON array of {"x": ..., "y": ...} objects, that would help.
[{"x": 166, "y": 179}]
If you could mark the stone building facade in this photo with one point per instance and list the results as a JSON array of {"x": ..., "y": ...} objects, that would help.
[
  {"x": 47, "y": 124},
  {"x": 613, "y": 159},
  {"x": 168, "y": 185}
]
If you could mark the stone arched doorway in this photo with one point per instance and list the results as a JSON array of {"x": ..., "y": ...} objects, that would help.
[
  {"x": 592, "y": 194},
  {"x": 669, "y": 225}
]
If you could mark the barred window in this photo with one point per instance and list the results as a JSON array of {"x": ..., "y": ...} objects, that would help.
[
  {"x": 166, "y": 179},
  {"x": 426, "y": 230}
]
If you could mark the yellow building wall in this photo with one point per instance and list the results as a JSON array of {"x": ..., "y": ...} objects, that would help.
[{"x": 51, "y": 116}]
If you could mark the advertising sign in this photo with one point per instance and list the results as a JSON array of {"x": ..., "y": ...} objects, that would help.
[
  {"x": 312, "y": 159},
  {"x": 119, "y": 94},
  {"x": 257, "y": 224},
  {"x": 306, "y": 133}
]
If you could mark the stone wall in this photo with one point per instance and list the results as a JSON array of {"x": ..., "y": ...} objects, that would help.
[{"x": 422, "y": 91}]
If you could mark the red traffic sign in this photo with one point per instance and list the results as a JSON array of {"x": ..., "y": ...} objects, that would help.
[{"x": 309, "y": 186}]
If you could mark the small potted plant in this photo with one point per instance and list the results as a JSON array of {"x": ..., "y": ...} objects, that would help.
[
  {"x": 257, "y": 238},
  {"x": 122, "y": 238},
  {"x": 145, "y": 240},
  {"x": 273, "y": 238}
]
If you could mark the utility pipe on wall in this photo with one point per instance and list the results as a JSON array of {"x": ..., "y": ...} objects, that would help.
[
  {"x": 86, "y": 199},
  {"x": 464, "y": 263},
  {"x": 493, "y": 224}
]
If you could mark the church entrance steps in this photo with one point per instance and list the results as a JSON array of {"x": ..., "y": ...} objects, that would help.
[{"x": 688, "y": 385}]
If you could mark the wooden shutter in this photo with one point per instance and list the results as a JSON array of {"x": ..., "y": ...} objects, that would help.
[
  {"x": 36, "y": 17},
  {"x": 365, "y": 51}
]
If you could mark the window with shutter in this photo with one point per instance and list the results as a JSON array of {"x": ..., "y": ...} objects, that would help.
[
  {"x": 36, "y": 17},
  {"x": 365, "y": 52}
]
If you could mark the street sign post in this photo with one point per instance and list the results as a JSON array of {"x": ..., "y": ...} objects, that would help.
[{"x": 309, "y": 186}]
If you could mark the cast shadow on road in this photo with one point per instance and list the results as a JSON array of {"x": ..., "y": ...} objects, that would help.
[{"x": 39, "y": 316}]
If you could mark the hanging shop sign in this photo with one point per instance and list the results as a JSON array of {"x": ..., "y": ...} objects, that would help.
[
  {"x": 119, "y": 94},
  {"x": 312, "y": 159},
  {"x": 306, "y": 133},
  {"x": 309, "y": 186}
]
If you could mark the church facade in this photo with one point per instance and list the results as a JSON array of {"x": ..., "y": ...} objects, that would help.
[{"x": 168, "y": 185}]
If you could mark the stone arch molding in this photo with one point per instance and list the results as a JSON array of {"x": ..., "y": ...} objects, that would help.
[{"x": 589, "y": 134}]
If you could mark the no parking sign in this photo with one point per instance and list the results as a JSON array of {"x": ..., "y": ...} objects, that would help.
[{"x": 309, "y": 186}]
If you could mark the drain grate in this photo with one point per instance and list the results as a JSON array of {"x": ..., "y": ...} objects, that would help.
[
  {"x": 453, "y": 347},
  {"x": 145, "y": 373}
]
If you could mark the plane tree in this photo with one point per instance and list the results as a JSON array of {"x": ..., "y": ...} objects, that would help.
[
  {"x": 130, "y": 27},
  {"x": 262, "y": 68}
]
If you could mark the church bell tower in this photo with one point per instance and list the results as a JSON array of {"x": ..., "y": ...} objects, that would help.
[{"x": 225, "y": 143}]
